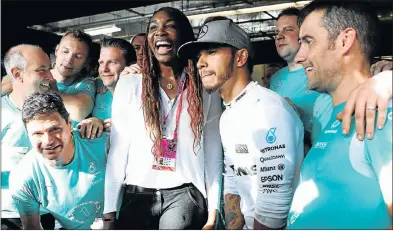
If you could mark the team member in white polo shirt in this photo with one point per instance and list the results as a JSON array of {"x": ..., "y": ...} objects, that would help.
[{"x": 261, "y": 133}]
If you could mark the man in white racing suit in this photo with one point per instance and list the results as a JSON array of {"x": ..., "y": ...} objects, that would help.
[{"x": 261, "y": 133}]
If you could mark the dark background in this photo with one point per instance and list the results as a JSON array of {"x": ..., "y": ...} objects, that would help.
[{"x": 16, "y": 15}]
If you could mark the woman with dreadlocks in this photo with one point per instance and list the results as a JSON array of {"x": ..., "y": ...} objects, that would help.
[{"x": 165, "y": 155}]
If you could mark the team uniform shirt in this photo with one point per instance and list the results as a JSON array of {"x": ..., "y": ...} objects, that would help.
[
  {"x": 293, "y": 84},
  {"x": 103, "y": 103},
  {"x": 263, "y": 145},
  {"x": 339, "y": 186},
  {"x": 130, "y": 158},
  {"x": 3, "y": 93},
  {"x": 85, "y": 85},
  {"x": 323, "y": 109},
  {"x": 73, "y": 194},
  {"x": 15, "y": 144}
]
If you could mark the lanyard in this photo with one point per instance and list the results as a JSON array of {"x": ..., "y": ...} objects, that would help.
[{"x": 179, "y": 91}]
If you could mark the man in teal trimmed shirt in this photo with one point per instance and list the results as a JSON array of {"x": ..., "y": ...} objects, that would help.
[
  {"x": 344, "y": 183},
  {"x": 76, "y": 88},
  {"x": 63, "y": 174},
  {"x": 314, "y": 108},
  {"x": 115, "y": 55},
  {"x": 291, "y": 80},
  {"x": 28, "y": 68}
]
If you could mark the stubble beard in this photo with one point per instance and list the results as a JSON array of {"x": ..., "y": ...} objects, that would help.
[{"x": 222, "y": 78}]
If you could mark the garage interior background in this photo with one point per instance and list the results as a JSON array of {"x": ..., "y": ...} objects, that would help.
[{"x": 43, "y": 22}]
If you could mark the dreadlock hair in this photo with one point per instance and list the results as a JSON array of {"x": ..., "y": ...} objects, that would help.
[{"x": 151, "y": 72}]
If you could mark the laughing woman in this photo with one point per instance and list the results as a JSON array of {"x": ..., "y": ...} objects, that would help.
[{"x": 165, "y": 156}]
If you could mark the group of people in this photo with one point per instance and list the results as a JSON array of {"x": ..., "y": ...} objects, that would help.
[{"x": 146, "y": 144}]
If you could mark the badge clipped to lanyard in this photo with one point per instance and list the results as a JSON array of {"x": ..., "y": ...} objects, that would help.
[{"x": 167, "y": 160}]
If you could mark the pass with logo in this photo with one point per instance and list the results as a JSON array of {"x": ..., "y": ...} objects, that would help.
[{"x": 167, "y": 160}]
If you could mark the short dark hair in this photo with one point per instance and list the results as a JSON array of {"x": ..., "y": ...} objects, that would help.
[
  {"x": 339, "y": 15},
  {"x": 250, "y": 61},
  {"x": 139, "y": 34},
  {"x": 80, "y": 36},
  {"x": 39, "y": 104},
  {"x": 123, "y": 45},
  {"x": 291, "y": 11}
]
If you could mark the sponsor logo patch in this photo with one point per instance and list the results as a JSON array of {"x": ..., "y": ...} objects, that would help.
[
  {"x": 268, "y": 169},
  {"x": 263, "y": 159},
  {"x": 203, "y": 31},
  {"x": 244, "y": 171},
  {"x": 321, "y": 145},
  {"x": 272, "y": 178},
  {"x": 330, "y": 131},
  {"x": 276, "y": 147},
  {"x": 270, "y": 136},
  {"x": 268, "y": 190},
  {"x": 335, "y": 124},
  {"x": 271, "y": 185},
  {"x": 281, "y": 167},
  {"x": 241, "y": 148}
]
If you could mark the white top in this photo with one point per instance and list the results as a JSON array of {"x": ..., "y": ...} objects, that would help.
[
  {"x": 263, "y": 150},
  {"x": 130, "y": 157}
]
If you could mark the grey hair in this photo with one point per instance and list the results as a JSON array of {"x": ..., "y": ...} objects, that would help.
[{"x": 14, "y": 58}]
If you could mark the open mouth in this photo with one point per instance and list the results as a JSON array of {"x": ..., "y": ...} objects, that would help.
[
  {"x": 45, "y": 85},
  {"x": 163, "y": 47},
  {"x": 51, "y": 148},
  {"x": 309, "y": 69}
]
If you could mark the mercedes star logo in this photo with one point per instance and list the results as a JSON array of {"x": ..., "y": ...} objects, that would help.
[{"x": 203, "y": 31}]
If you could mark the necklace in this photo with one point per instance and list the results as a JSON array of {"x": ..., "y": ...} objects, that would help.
[{"x": 169, "y": 86}]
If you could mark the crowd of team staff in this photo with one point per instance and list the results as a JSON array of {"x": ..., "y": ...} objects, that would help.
[{"x": 175, "y": 134}]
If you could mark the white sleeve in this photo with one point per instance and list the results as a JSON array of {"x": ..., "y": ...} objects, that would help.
[
  {"x": 118, "y": 152},
  {"x": 229, "y": 176},
  {"x": 280, "y": 140},
  {"x": 213, "y": 152}
]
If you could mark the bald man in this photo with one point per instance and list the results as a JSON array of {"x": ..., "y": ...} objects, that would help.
[{"x": 28, "y": 67}]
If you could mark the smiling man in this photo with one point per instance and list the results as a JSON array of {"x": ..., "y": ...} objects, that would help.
[
  {"x": 115, "y": 55},
  {"x": 76, "y": 88},
  {"x": 29, "y": 68},
  {"x": 63, "y": 174},
  {"x": 344, "y": 183}
]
